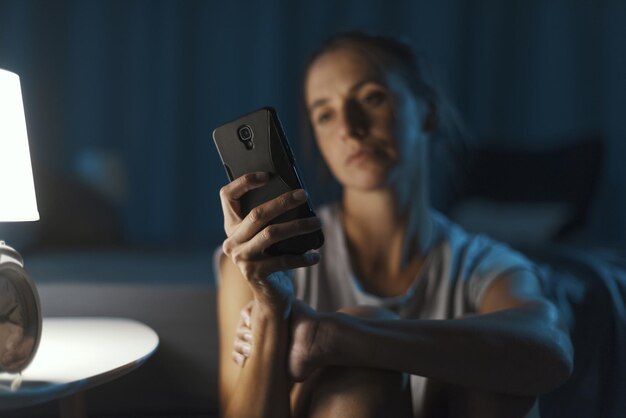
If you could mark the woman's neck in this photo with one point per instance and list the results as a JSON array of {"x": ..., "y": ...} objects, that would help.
[
  {"x": 372, "y": 214},
  {"x": 382, "y": 228}
]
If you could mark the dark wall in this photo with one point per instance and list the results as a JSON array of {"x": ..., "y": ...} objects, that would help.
[{"x": 123, "y": 95}]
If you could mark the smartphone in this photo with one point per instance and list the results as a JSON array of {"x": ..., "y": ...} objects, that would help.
[{"x": 257, "y": 142}]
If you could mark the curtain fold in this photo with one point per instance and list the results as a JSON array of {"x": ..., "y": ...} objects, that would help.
[{"x": 137, "y": 86}]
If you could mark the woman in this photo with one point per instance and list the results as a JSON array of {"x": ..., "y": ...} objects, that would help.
[{"x": 396, "y": 290}]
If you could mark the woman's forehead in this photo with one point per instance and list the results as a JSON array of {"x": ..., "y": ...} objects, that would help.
[{"x": 340, "y": 69}]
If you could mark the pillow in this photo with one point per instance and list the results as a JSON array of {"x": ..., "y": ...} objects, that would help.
[
  {"x": 519, "y": 224},
  {"x": 528, "y": 196}
]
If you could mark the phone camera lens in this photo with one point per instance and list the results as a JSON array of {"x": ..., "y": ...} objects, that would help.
[{"x": 245, "y": 133}]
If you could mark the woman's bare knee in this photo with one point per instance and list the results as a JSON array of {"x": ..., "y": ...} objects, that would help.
[
  {"x": 352, "y": 391},
  {"x": 360, "y": 392}
]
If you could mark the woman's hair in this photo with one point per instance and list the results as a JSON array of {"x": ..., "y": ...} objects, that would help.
[
  {"x": 392, "y": 54},
  {"x": 387, "y": 52}
]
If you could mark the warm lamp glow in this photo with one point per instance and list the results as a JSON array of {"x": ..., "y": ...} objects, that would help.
[{"x": 17, "y": 190}]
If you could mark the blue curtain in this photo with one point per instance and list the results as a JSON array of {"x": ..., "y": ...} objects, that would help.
[{"x": 135, "y": 87}]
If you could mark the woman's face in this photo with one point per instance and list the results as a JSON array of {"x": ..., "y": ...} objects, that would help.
[{"x": 367, "y": 123}]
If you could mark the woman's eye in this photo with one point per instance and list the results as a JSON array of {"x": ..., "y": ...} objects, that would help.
[
  {"x": 323, "y": 117},
  {"x": 374, "y": 98}
]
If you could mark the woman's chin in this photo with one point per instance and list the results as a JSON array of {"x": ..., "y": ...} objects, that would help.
[
  {"x": 367, "y": 183},
  {"x": 364, "y": 176}
]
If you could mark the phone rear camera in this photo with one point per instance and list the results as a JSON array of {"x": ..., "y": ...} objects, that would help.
[{"x": 245, "y": 133}]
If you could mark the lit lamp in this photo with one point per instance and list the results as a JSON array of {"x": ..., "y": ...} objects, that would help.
[{"x": 20, "y": 313}]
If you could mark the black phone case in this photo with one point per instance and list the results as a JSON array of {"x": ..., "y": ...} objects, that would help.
[{"x": 269, "y": 152}]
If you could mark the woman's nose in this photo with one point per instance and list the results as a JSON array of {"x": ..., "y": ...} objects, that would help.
[{"x": 357, "y": 123}]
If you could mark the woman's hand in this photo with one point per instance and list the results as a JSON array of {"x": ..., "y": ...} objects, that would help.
[
  {"x": 306, "y": 346},
  {"x": 242, "y": 346},
  {"x": 248, "y": 237}
]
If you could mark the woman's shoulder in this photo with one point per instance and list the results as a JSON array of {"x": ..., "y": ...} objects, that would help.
[{"x": 474, "y": 246}]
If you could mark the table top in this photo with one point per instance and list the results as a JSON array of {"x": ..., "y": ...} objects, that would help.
[{"x": 76, "y": 354}]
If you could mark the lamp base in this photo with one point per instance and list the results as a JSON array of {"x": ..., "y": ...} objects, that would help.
[{"x": 20, "y": 313}]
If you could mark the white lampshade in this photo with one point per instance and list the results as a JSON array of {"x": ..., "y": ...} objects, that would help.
[{"x": 17, "y": 190}]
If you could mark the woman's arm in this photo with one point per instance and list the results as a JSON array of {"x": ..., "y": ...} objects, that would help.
[
  {"x": 260, "y": 388},
  {"x": 516, "y": 345}
]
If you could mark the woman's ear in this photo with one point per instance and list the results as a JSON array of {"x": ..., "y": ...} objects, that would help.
[{"x": 430, "y": 122}]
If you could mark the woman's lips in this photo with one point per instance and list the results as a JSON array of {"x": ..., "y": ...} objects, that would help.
[{"x": 356, "y": 156}]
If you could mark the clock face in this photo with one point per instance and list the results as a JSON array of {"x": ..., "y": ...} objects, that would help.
[{"x": 20, "y": 314}]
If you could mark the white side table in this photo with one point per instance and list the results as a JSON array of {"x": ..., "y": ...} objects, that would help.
[{"x": 76, "y": 354}]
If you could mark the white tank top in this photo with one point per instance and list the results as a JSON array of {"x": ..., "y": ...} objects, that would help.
[{"x": 450, "y": 284}]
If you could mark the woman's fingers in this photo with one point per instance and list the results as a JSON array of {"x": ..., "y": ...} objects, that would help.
[
  {"x": 242, "y": 348},
  {"x": 242, "y": 345},
  {"x": 272, "y": 234},
  {"x": 238, "y": 358},
  {"x": 260, "y": 216},
  {"x": 248, "y": 307},
  {"x": 232, "y": 192},
  {"x": 245, "y": 316},
  {"x": 258, "y": 271},
  {"x": 245, "y": 335}
]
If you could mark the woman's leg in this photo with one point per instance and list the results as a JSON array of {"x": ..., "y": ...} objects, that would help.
[{"x": 354, "y": 392}]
